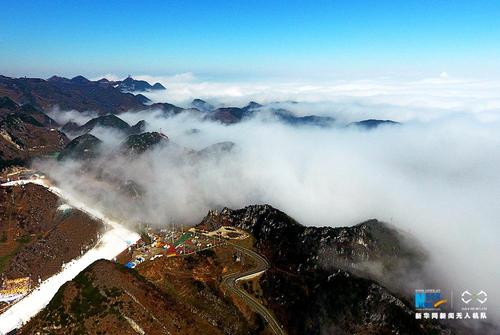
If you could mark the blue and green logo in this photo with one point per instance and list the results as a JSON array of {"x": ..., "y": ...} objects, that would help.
[{"x": 428, "y": 299}]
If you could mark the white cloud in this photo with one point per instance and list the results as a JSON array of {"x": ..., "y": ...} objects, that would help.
[
  {"x": 402, "y": 100},
  {"x": 62, "y": 117}
]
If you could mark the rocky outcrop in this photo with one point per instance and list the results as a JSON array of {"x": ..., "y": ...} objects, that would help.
[{"x": 319, "y": 281}]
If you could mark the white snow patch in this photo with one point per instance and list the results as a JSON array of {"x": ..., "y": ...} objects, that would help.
[
  {"x": 134, "y": 326},
  {"x": 64, "y": 207}
]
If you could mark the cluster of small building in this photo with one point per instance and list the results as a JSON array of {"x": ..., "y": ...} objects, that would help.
[
  {"x": 170, "y": 243},
  {"x": 20, "y": 174}
]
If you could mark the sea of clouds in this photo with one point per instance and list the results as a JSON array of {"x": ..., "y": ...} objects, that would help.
[{"x": 435, "y": 177}]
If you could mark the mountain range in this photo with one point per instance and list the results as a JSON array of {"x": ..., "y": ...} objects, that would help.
[
  {"x": 115, "y": 97},
  {"x": 28, "y": 132},
  {"x": 185, "y": 294},
  {"x": 312, "y": 280}
]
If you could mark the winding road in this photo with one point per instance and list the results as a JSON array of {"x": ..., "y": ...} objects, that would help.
[{"x": 230, "y": 282}]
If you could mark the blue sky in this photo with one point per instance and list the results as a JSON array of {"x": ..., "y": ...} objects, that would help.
[{"x": 251, "y": 39}]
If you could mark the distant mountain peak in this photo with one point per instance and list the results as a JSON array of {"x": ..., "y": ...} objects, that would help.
[
  {"x": 57, "y": 79},
  {"x": 158, "y": 86},
  {"x": 252, "y": 105},
  {"x": 129, "y": 79},
  {"x": 373, "y": 123},
  {"x": 109, "y": 120},
  {"x": 80, "y": 79},
  {"x": 138, "y": 128},
  {"x": 130, "y": 84},
  {"x": 83, "y": 147},
  {"x": 202, "y": 105},
  {"x": 139, "y": 143}
]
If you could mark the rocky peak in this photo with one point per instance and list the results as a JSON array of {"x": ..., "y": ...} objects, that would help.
[
  {"x": 252, "y": 105},
  {"x": 70, "y": 127},
  {"x": 106, "y": 121},
  {"x": 202, "y": 105},
  {"x": 138, "y": 128},
  {"x": 158, "y": 86},
  {"x": 130, "y": 84},
  {"x": 140, "y": 143},
  {"x": 80, "y": 80},
  {"x": 279, "y": 235},
  {"x": 83, "y": 147},
  {"x": 56, "y": 79}
]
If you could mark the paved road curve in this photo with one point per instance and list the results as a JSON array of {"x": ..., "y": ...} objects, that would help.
[{"x": 229, "y": 281}]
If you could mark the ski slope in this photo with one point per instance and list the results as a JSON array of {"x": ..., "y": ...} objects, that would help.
[{"x": 112, "y": 243}]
